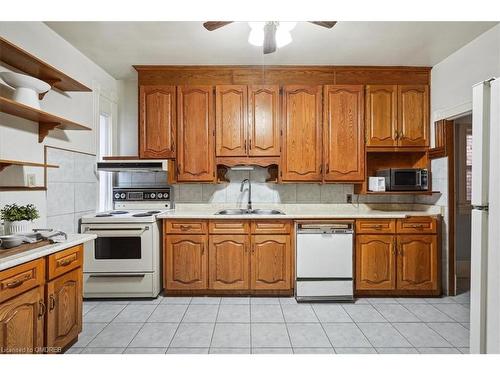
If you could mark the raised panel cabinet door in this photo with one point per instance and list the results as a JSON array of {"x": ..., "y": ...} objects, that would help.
[
  {"x": 271, "y": 262},
  {"x": 157, "y": 117},
  {"x": 64, "y": 309},
  {"x": 413, "y": 115},
  {"x": 22, "y": 322},
  {"x": 231, "y": 120},
  {"x": 343, "y": 133},
  {"x": 229, "y": 264},
  {"x": 302, "y": 136},
  {"x": 375, "y": 262},
  {"x": 417, "y": 262},
  {"x": 185, "y": 262},
  {"x": 195, "y": 134},
  {"x": 381, "y": 116},
  {"x": 263, "y": 123}
]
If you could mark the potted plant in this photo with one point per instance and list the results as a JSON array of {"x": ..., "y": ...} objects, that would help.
[{"x": 18, "y": 219}]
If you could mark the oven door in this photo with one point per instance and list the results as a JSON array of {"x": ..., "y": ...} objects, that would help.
[
  {"x": 119, "y": 248},
  {"x": 405, "y": 179}
]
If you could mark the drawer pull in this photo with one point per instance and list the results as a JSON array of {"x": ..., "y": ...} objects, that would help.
[
  {"x": 65, "y": 262},
  {"x": 185, "y": 227},
  {"x": 377, "y": 226},
  {"x": 15, "y": 283}
]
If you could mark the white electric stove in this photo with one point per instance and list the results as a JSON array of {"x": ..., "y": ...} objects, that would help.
[{"x": 125, "y": 259}]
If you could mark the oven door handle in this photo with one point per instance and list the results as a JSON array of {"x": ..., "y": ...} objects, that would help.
[
  {"x": 419, "y": 178},
  {"x": 107, "y": 275},
  {"x": 117, "y": 232}
]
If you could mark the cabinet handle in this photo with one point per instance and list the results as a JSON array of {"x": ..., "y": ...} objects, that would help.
[
  {"x": 327, "y": 168},
  {"x": 253, "y": 249},
  {"x": 396, "y": 134},
  {"x": 245, "y": 145},
  {"x": 15, "y": 283},
  {"x": 64, "y": 262},
  {"x": 52, "y": 302},
  {"x": 185, "y": 227},
  {"x": 250, "y": 144},
  {"x": 179, "y": 167},
  {"x": 378, "y": 226},
  {"x": 401, "y": 135},
  {"x": 418, "y": 226},
  {"x": 395, "y": 247},
  {"x": 41, "y": 309},
  {"x": 202, "y": 248}
]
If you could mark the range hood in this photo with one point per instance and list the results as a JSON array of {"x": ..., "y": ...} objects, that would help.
[{"x": 132, "y": 165}]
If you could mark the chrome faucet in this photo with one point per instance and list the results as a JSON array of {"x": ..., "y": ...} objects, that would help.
[{"x": 249, "y": 204}]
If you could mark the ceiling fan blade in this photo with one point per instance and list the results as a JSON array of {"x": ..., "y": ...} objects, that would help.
[
  {"x": 327, "y": 24},
  {"x": 269, "y": 38},
  {"x": 214, "y": 25}
]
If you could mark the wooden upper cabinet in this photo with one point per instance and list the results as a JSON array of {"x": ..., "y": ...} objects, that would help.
[
  {"x": 301, "y": 158},
  {"x": 417, "y": 262},
  {"x": 195, "y": 129},
  {"x": 157, "y": 117},
  {"x": 375, "y": 262},
  {"x": 381, "y": 115},
  {"x": 231, "y": 120},
  {"x": 64, "y": 309},
  {"x": 21, "y": 322},
  {"x": 413, "y": 115},
  {"x": 271, "y": 262},
  {"x": 185, "y": 262},
  {"x": 229, "y": 262},
  {"x": 263, "y": 120},
  {"x": 343, "y": 135}
]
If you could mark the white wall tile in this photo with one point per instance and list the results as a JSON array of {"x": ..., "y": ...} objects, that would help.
[
  {"x": 214, "y": 193},
  {"x": 332, "y": 193},
  {"x": 84, "y": 168},
  {"x": 308, "y": 193},
  {"x": 190, "y": 193},
  {"x": 66, "y": 163},
  {"x": 60, "y": 198},
  {"x": 66, "y": 223},
  {"x": 286, "y": 193},
  {"x": 85, "y": 197}
]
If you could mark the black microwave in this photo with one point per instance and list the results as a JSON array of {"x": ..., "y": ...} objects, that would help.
[{"x": 405, "y": 179}]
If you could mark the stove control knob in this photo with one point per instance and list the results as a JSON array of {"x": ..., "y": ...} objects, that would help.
[
  {"x": 165, "y": 195},
  {"x": 152, "y": 196},
  {"x": 122, "y": 195},
  {"x": 160, "y": 195},
  {"x": 117, "y": 195}
]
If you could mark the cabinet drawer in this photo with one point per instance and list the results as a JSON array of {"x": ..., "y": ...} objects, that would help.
[
  {"x": 375, "y": 226},
  {"x": 417, "y": 224},
  {"x": 186, "y": 226},
  {"x": 271, "y": 227},
  {"x": 64, "y": 261},
  {"x": 19, "y": 279},
  {"x": 229, "y": 226}
]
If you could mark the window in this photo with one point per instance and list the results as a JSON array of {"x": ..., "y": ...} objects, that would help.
[
  {"x": 105, "y": 147},
  {"x": 464, "y": 167}
]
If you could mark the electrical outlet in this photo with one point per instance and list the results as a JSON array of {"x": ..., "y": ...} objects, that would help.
[
  {"x": 31, "y": 179},
  {"x": 348, "y": 198}
]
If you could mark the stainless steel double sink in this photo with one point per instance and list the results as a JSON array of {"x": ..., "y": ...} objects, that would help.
[{"x": 241, "y": 211}]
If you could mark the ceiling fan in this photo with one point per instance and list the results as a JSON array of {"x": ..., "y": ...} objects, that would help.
[{"x": 267, "y": 34}]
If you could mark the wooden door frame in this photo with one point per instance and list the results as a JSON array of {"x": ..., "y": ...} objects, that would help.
[{"x": 447, "y": 149}]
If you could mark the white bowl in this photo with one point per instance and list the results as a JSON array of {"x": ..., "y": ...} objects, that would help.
[{"x": 27, "y": 88}]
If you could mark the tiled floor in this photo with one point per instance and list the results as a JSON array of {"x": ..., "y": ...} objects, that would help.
[{"x": 275, "y": 325}]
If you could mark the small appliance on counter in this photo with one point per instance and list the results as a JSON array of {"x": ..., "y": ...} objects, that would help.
[
  {"x": 376, "y": 183},
  {"x": 405, "y": 179}
]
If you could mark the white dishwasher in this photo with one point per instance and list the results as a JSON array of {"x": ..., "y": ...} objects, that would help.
[{"x": 324, "y": 261}]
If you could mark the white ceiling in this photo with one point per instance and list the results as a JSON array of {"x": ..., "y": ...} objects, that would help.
[{"x": 116, "y": 46}]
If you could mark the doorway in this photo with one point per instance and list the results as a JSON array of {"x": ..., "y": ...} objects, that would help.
[{"x": 462, "y": 201}]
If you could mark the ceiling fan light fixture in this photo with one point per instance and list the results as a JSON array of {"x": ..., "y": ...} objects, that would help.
[{"x": 283, "y": 37}]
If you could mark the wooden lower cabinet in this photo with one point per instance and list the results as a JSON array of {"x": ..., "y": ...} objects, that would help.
[
  {"x": 185, "y": 262},
  {"x": 375, "y": 262},
  {"x": 271, "y": 262},
  {"x": 417, "y": 266},
  {"x": 399, "y": 263},
  {"x": 228, "y": 262},
  {"x": 64, "y": 309},
  {"x": 22, "y": 323}
]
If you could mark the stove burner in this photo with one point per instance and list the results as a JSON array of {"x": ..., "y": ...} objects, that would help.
[
  {"x": 146, "y": 214},
  {"x": 118, "y": 212},
  {"x": 103, "y": 215}
]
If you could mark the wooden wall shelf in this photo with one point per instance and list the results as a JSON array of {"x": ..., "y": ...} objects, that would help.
[
  {"x": 46, "y": 121},
  {"x": 22, "y": 188},
  {"x": 7, "y": 163},
  {"x": 24, "y": 61}
]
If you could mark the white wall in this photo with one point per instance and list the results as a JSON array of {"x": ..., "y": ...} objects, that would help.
[
  {"x": 19, "y": 140},
  {"x": 452, "y": 79}
]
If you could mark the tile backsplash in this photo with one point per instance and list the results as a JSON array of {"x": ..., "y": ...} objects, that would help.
[
  {"x": 72, "y": 188},
  {"x": 262, "y": 192}
]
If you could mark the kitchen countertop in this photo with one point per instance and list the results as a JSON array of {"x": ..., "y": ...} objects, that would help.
[
  {"x": 39, "y": 252},
  {"x": 306, "y": 211}
]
